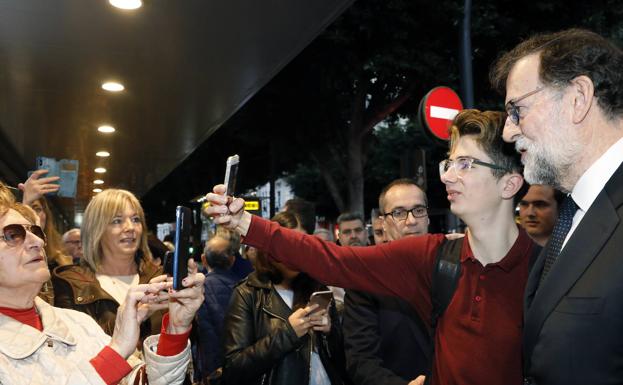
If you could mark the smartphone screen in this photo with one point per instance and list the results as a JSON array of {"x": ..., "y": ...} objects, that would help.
[
  {"x": 231, "y": 171},
  {"x": 322, "y": 298},
  {"x": 182, "y": 243}
]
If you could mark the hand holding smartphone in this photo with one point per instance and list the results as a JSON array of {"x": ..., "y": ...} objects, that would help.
[
  {"x": 65, "y": 169},
  {"x": 231, "y": 173},
  {"x": 177, "y": 265}
]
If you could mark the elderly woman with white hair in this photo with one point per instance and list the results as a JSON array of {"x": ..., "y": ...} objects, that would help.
[{"x": 42, "y": 344}]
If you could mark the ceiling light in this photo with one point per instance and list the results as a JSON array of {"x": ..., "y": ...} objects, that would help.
[
  {"x": 113, "y": 86},
  {"x": 102, "y": 154},
  {"x": 98, "y": 181},
  {"x": 97, "y": 190},
  {"x": 100, "y": 170},
  {"x": 126, "y": 4},
  {"x": 106, "y": 129}
]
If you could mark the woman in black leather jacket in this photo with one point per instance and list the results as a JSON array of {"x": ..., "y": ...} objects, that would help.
[{"x": 269, "y": 335}]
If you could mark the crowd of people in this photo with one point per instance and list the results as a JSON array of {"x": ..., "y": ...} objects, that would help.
[{"x": 530, "y": 294}]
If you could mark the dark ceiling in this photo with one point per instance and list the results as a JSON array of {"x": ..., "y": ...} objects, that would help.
[{"x": 187, "y": 67}]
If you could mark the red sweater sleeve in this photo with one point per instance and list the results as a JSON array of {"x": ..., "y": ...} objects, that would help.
[
  {"x": 401, "y": 268},
  {"x": 171, "y": 344},
  {"x": 110, "y": 366}
]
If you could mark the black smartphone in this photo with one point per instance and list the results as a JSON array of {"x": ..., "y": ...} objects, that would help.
[
  {"x": 321, "y": 298},
  {"x": 231, "y": 171},
  {"x": 179, "y": 265}
]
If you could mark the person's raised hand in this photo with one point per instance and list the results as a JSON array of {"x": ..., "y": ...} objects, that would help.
[
  {"x": 227, "y": 211},
  {"x": 36, "y": 186},
  {"x": 131, "y": 313},
  {"x": 183, "y": 304}
]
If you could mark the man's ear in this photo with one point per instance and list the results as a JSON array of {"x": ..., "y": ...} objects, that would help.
[
  {"x": 510, "y": 184},
  {"x": 583, "y": 96},
  {"x": 203, "y": 260}
]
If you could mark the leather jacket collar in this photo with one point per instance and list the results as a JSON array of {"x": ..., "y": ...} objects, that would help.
[{"x": 271, "y": 300}]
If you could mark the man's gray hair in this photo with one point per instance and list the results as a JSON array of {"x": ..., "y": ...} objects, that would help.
[{"x": 68, "y": 233}]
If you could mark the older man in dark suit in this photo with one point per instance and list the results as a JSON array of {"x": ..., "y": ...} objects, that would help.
[{"x": 564, "y": 98}]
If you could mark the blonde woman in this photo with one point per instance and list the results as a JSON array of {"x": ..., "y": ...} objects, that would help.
[{"x": 116, "y": 257}]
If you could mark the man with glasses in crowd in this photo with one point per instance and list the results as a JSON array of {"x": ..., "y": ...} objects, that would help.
[
  {"x": 478, "y": 338},
  {"x": 73, "y": 245},
  {"x": 564, "y": 94},
  {"x": 385, "y": 341}
]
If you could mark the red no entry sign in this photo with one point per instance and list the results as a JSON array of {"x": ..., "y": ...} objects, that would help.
[{"x": 440, "y": 106}]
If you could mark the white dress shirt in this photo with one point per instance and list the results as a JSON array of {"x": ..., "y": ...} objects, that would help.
[{"x": 593, "y": 181}]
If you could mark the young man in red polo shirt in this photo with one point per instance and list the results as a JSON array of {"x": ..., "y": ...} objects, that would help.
[{"x": 478, "y": 338}]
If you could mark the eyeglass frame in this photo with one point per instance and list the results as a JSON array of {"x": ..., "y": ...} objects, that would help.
[
  {"x": 472, "y": 160},
  {"x": 512, "y": 109},
  {"x": 412, "y": 211},
  {"x": 27, "y": 229}
]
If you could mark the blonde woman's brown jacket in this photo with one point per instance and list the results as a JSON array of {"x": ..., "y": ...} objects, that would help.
[{"x": 76, "y": 287}]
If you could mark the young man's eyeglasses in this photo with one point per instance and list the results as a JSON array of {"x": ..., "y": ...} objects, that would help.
[
  {"x": 464, "y": 163},
  {"x": 401, "y": 214},
  {"x": 14, "y": 235},
  {"x": 512, "y": 109}
]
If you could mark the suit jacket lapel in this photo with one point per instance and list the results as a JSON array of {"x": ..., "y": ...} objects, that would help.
[{"x": 589, "y": 237}]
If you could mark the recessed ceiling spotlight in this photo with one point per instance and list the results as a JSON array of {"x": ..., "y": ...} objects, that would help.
[
  {"x": 100, "y": 170},
  {"x": 97, "y": 190},
  {"x": 126, "y": 4},
  {"x": 106, "y": 129},
  {"x": 102, "y": 154},
  {"x": 113, "y": 86},
  {"x": 98, "y": 181}
]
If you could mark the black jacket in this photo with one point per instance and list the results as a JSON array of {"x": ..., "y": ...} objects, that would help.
[
  {"x": 262, "y": 348},
  {"x": 386, "y": 342},
  {"x": 219, "y": 286},
  {"x": 573, "y": 321}
]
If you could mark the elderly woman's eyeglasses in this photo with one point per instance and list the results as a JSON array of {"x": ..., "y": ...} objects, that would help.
[
  {"x": 15, "y": 234},
  {"x": 512, "y": 109},
  {"x": 462, "y": 164},
  {"x": 401, "y": 214}
]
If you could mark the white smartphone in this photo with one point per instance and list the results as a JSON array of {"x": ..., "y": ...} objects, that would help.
[{"x": 231, "y": 171}]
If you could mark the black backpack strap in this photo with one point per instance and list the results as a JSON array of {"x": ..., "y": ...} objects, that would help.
[{"x": 445, "y": 277}]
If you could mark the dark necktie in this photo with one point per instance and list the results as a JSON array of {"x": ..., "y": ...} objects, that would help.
[{"x": 562, "y": 227}]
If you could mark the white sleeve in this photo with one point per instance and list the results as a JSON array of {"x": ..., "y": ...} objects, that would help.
[{"x": 164, "y": 370}]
